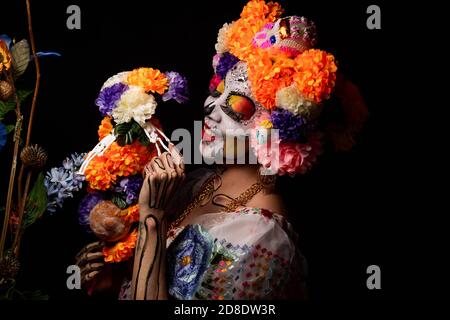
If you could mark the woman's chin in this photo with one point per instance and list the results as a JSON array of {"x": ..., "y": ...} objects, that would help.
[{"x": 211, "y": 151}]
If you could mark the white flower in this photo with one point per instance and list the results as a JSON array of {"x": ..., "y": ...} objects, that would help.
[
  {"x": 222, "y": 39},
  {"x": 134, "y": 104},
  {"x": 291, "y": 99},
  {"x": 120, "y": 77}
]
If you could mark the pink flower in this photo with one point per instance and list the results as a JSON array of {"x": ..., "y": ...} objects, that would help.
[
  {"x": 214, "y": 83},
  {"x": 291, "y": 159},
  {"x": 298, "y": 158}
]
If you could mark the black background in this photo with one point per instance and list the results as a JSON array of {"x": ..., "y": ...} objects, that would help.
[{"x": 353, "y": 210}]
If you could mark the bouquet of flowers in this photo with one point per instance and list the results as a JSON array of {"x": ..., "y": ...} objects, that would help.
[{"x": 130, "y": 136}]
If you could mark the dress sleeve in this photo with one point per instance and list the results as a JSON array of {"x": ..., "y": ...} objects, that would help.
[{"x": 251, "y": 254}]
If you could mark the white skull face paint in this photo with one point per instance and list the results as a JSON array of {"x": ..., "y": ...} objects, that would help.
[{"x": 229, "y": 115}]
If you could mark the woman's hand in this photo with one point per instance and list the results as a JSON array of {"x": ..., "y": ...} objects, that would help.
[
  {"x": 91, "y": 262},
  {"x": 162, "y": 177}
]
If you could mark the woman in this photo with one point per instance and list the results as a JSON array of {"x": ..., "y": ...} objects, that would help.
[{"x": 223, "y": 233}]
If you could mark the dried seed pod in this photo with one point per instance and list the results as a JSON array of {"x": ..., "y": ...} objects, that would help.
[
  {"x": 33, "y": 156},
  {"x": 9, "y": 266},
  {"x": 6, "y": 91}
]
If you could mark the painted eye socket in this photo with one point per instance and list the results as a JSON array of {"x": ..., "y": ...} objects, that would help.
[
  {"x": 285, "y": 29},
  {"x": 239, "y": 108},
  {"x": 218, "y": 90}
]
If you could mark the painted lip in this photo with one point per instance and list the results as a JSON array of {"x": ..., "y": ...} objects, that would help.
[{"x": 207, "y": 133}]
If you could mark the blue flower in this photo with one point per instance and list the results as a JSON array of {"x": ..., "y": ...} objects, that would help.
[
  {"x": 188, "y": 259},
  {"x": 3, "y": 134},
  {"x": 58, "y": 176},
  {"x": 62, "y": 182}
]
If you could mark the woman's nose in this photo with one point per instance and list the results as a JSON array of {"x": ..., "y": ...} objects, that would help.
[{"x": 208, "y": 106}]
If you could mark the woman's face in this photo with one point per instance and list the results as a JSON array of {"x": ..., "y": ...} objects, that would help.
[{"x": 229, "y": 113}]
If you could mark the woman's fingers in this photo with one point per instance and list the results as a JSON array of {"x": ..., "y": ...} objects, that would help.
[
  {"x": 168, "y": 161},
  {"x": 177, "y": 158},
  {"x": 163, "y": 179},
  {"x": 164, "y": 174},
  {"x": 158, "y": 164},
  {"x": 173, "y": 180},
  {"x": 144, "y": 195},
  {"x": 147, "y": 169},
  {"x": 153, "y": 190}
]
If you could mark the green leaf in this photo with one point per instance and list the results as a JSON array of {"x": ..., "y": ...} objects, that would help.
[
  {"x": 36, "y": 202},
  {"x": 23, "y": 94},
  {"x": 121, "y": 141},
  {"x": 119, "y": 201},
  {"x": 122, "y": 129},
  {"x": 144, "y": 140},
  {"x": 127, "y": 133},
  {"x": 6, "y": 107},
  {"x": 10, "y": 128},
  {"x": 20, "y": 53}
]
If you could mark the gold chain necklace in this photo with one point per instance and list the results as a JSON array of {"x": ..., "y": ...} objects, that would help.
[{"x": 206, "y": 190}]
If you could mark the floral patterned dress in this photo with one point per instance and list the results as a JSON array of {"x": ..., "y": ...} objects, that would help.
[{"x": 247, "y": 254}]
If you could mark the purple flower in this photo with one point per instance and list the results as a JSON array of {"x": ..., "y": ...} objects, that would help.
[
  {"x": 108, "y": 98},
  {"x": 86, "y": 205},
  {"x": 178, "y": 88},
  {"x": 226, "y": 62},
  {"x": 291, "y": 127},
  {"x": 130, "y": 186}
]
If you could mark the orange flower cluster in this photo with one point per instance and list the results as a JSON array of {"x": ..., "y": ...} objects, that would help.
[
  {"x": 313, "y": 71},
  {"x": 122, "y": 250},
  {"x": 105, "y": 128},
  {"x": 5, "y": 56},
  {"x": 117, "y": 161},
  {"x": 315, "y": 74},
  {"x": 254, "y": 16},
  {"x": 268, "y": 74},
  {"x": 131, "y": 214},
  {"x": 148, "y": 78}
]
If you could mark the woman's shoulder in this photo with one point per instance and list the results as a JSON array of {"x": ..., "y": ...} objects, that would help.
[{"x": 270, "y": 201}]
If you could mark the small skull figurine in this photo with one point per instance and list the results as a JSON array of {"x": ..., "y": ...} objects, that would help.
[{"x": 292, "y": 34}]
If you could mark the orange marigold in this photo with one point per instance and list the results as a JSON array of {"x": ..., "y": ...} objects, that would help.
[
  {"x": 122, "y": 250},
  {"x": 97, "y": 174},
  {"x": 148, "y": 78},
  {"x": 105, "y": 127},
  {"x": 117, "y": 161},
  {"x": 315, "y": 74},
  {"x": 5, "y": 56},
  {"x": 254, "y": 16},
  {"x": 131, "y": 214},
  {"x": 268, "y": 75}
]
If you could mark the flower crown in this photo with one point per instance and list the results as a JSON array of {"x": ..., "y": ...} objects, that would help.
[
  {"x": 129, "y": 138},
  {"x": 288, "y": 77}
]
